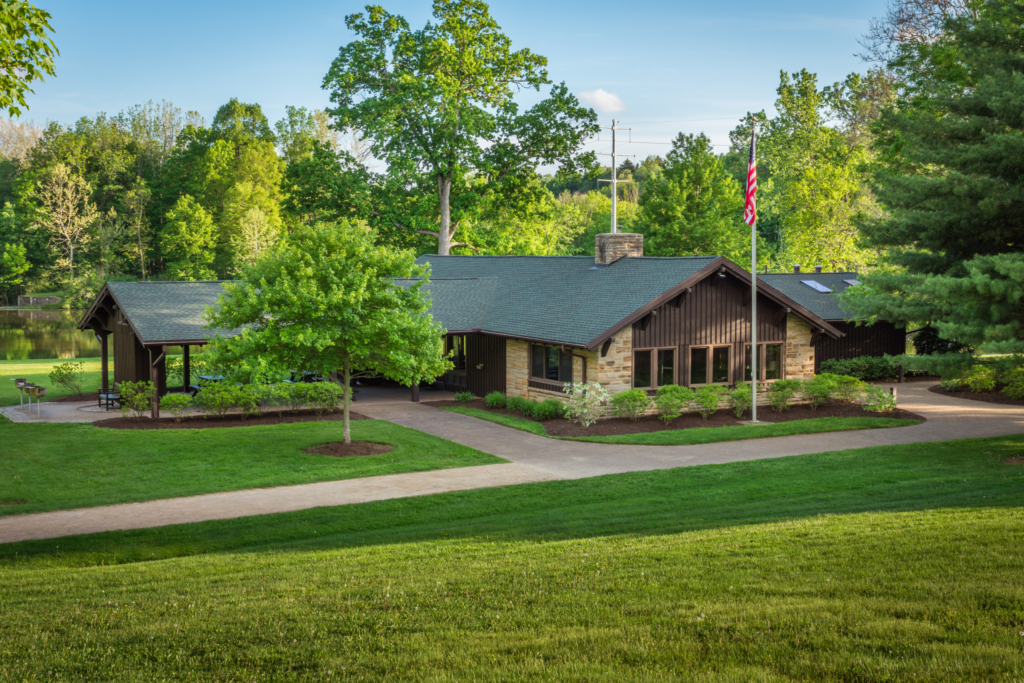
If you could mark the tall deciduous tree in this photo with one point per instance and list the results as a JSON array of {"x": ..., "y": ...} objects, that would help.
[
  {"x": 65, "y": 212},
  {"x": 326, "y": 300},
  {"x": 955, "y": 188},
  {"x": 695, "y": 206},
  {"x": 26, "y": 52},
  {"x": 189, "y": 241},
  {"x": 438, "y": 106}
]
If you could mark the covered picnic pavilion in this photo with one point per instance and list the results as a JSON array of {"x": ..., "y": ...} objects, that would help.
[{"x": 145, "y": 318}]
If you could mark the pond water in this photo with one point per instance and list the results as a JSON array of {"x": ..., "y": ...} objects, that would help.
[{"x": 30, "y": 334}]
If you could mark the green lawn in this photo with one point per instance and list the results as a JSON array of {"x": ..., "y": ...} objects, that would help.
[
  {"x": 38, "y": 372},
  {"x": 882, "y": 564},
  {"x": 698, "y": 435},
  {"x": 62, "y": 466}
]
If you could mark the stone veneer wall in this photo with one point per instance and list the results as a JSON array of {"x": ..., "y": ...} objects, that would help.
[
  {"x": 517, "y": 370},
  {"x": 799, "y": 352}
]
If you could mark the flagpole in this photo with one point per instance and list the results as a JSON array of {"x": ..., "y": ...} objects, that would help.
[{"x": 753, "y": 298}]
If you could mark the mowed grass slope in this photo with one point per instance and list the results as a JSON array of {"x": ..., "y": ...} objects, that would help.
[
  {"x": 880, "y": 564},
  {"x": 62, "y": 466}
]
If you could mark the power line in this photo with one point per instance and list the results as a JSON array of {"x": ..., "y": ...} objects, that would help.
[{"x": 731, "y": 118}]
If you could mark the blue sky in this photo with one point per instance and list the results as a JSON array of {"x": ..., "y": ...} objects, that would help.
[{"x": 675, "y": 66}]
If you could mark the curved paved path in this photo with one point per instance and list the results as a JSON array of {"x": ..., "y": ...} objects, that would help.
[{"x": 532, "y": 458}]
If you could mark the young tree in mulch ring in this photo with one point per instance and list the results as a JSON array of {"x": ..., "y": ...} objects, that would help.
[
  {"x": 136, "y": 399},
  {"x": 326, "y": 299}
]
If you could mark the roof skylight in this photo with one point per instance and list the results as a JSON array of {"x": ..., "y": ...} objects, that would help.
[
  {"x": 853, "y": 282},
  {"x": 816, "y": 286}
]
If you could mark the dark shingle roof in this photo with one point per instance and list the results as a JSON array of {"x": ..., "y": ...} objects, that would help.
[
  {"x": 168, "y": 311},
  {"x": 555, "y": 298},
  {"x": 823, "y": 305}
]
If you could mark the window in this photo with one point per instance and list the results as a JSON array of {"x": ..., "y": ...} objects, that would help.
[
  {"x": 653, "y": 368},
  {"x": 550, "y": 363},
  {"x": 709, "y": 365},
  {"x": 457, "y": 345},
  {"x": 769, "y": 361}
]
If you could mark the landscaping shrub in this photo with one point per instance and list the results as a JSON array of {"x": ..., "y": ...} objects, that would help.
[
  {"x": 632, "y": 404},
  {"x": 1014, "y": 388},
  {"x": 878, "y": 400},
  {"x": 953, "y": 384},
  {"x": 176, "y": 368},
  {"x": 249, "y": 397},
  {"x": 847, "y": 388},
  {"x": 740, "y": 399},
  {"x": 324, "y": 397},
  {"x": 549, "y": 409},
  {"x": 518, "y": 404},
  {"x": 69, "y": 375},
  {"x": 867, "y": 368},
  {"x": 820, "y": 389},
  {"x": 495, "y": 400},
  {"x": 980, "y": 379},
  {"x": 216, "y": 399},
  {"x": 275, "y": 397},
  {"x": 708, "y": 397},
  {"x": 296, "y": 395},
  {"x": 781, "y": 393},
  {"x": 672, "y": 401},
  {"x": 464, "y": 397},
  {"x": 177, "y": 405},
  {"x": 586, "y": 402},
  {"x": 136, "y": 399}
]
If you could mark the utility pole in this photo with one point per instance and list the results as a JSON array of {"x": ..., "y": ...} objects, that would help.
[{"x": 615, "y": 177}]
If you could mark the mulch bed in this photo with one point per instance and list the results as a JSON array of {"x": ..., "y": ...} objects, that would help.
[
  {"x": 12, "y": 502},
  {"x": 91, "y": 396},
  {"x": 989, "y": 397},
  {"x": 1014, "y": 461},
  {"x": 723, "y": 418},
  {"x": 340, "y": 449},
  {"x": 231, "y": 420}
]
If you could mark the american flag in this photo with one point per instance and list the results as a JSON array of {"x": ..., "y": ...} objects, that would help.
[{"x": 750, "y": 209}]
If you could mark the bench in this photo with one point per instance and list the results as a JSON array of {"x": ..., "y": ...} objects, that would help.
[{"x": 109, "y": 398}]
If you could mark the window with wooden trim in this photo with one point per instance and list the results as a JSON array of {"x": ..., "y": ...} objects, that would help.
[
  {"x": 550, "y": 363},
  {"x": 769, "y": 362},
  {"x": 710, "y": 365},
  {"x": 653, "y": 368},
  {"x": 457, "y": 345}
]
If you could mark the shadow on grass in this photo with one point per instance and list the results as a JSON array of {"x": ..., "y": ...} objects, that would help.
[{"x": 954, "y": 474}]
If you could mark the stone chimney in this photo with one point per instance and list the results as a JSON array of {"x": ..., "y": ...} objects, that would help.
[
  {"x": 796, "y": 268},
  {"x": 817, "y": 269},
  {"x": 610, "y": 246}
]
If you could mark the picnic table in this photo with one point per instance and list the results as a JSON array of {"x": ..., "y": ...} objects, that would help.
[{"x": 204, "y": 379}]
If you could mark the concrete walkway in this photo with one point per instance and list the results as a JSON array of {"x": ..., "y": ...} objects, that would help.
[
  {"x": 532, "y": 458},
  {"x": 947, "y": 418}
]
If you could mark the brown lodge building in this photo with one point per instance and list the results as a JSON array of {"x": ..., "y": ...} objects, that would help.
[{"x": 526, "y": 325}]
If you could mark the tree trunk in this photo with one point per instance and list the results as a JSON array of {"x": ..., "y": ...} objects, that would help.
[
  {"x": 347, "y": 401},
  {"x": 142, "y": 254},
  {"x": 444, "y": 193}
]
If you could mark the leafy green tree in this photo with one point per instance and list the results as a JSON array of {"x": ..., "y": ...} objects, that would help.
[
  {"x": 300, "y": 130},
  {"x": 438, "y": 106},
  {"x": 239, "y": 121},
  {"x": 189, "y": 241},
  {"x": 326, "y": 300},
  {"x": 695, "y": 207},
  {"x": 65, "y": 213},
  {"x": 327, "y": 186},
  {"x": 13, "y": 266},
  {"x": 26, "y": 52},
  {"x": 953, "y": 186},
  {"x": 543, "y": 226}
]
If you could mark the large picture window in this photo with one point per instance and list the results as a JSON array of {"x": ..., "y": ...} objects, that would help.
[
  {"x": 709, "y": 365},
  {"x": 653, "y": 368},
  {"x": 769, "y": 362},
  {"x": 550, "y": 363}
]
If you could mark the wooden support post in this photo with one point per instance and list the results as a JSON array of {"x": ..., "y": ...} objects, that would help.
[
  {"x": 416, "y": 393},
  {"x": 186, "y": 367},
  {"x": 104, "y": 363},
  {"x": 154, "y": 379},
  {"x": 901, "y": 371}
]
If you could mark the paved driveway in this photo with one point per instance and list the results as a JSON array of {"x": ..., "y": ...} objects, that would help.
[{"x": 532, "y": 459}]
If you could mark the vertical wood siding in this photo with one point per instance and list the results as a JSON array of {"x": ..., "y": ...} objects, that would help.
[
  {"x": 713, "y": 313},
  {"x": 131, "y": 360},
  {"x": 485, "y": 350},
  {"x": 865, "y": 340}
]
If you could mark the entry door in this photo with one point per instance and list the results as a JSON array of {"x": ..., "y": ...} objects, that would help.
[{"x": 485, "y": 364}]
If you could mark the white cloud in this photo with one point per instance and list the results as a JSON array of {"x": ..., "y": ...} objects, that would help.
[{"x": 603, "y": 101}]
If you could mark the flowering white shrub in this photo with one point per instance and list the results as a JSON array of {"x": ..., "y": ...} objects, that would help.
[{"x": 585, "y": 402}]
